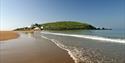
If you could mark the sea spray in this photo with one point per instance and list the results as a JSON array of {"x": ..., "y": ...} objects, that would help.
[
  {"x": 84, "y": 55},
  {"x": 89, "y": 37}
]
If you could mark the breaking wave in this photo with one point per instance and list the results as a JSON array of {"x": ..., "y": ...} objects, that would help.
[
  {"x": 89, "y": 37},
  {"x": 84, "y": 55}
]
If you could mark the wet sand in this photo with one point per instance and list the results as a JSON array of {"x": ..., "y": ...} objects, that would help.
[
  {"x": 7, "y": 35},
  {"x": 30, "y": 48}
]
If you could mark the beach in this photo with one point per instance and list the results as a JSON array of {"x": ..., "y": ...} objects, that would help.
[
  {"x": 61, "y": 47},
  {"x": 6, "y": 35},
  {"x": 32, "y": 48}
]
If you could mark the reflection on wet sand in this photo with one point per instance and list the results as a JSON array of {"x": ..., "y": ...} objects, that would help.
[
  {"x": 29, "y": 34},
  {"x": 30, "y": 48}
]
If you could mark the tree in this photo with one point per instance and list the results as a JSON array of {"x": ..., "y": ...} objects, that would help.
[{"x": 37, "y": 25}]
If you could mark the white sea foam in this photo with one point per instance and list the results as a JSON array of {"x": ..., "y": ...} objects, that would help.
[
  {"x": 89, "y": 37},
  {"x": 62, "y": 47},
  {"x": 83, "y": 55}
]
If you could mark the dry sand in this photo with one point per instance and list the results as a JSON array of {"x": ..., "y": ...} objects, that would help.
[
  {"x": 6, "y": 35},
  {"x": 31, "y": 48}
]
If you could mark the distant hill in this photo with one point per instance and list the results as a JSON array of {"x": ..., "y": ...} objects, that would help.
[
  {"x": 62, "y": 25},
  {"x": 67, "y": 25}
]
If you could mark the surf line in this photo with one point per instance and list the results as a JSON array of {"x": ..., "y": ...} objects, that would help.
[{"x": 88, "y": 37}]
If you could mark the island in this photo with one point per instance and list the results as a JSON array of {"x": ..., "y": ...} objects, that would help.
[
  {"x": 66, "y": 25},
  {"x": 61, "y": 25}
]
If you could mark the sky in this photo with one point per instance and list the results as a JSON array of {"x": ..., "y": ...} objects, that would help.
[{"x": 99, "y": 13}]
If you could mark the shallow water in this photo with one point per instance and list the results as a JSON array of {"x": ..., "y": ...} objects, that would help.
[{"x": 84, "y": 50}]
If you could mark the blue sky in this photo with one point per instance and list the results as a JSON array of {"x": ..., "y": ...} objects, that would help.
[{"x": 100, "y": 13}]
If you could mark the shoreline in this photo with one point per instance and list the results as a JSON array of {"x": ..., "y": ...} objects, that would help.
[
  {"x": 33, "y": 49},
  {"x": 8, "y": 35}
]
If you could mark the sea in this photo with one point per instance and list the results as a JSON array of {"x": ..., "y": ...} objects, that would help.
[{"x": 90, "y": 46}]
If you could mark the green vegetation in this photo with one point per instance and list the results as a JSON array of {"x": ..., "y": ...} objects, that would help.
[
  {"x": 63, "y": 25},
  {"x": 66, "y": 25},
  {"x": 22, "y": 29}
]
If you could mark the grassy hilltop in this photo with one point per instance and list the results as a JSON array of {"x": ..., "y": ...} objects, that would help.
[
  {"x": 62, "y": 25},
  {"x": 66, "y": 25}
]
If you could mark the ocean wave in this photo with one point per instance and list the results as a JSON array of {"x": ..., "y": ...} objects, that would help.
[
  {"x": 83, "y": 55},
  {"x": 89, "y": 37}
]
